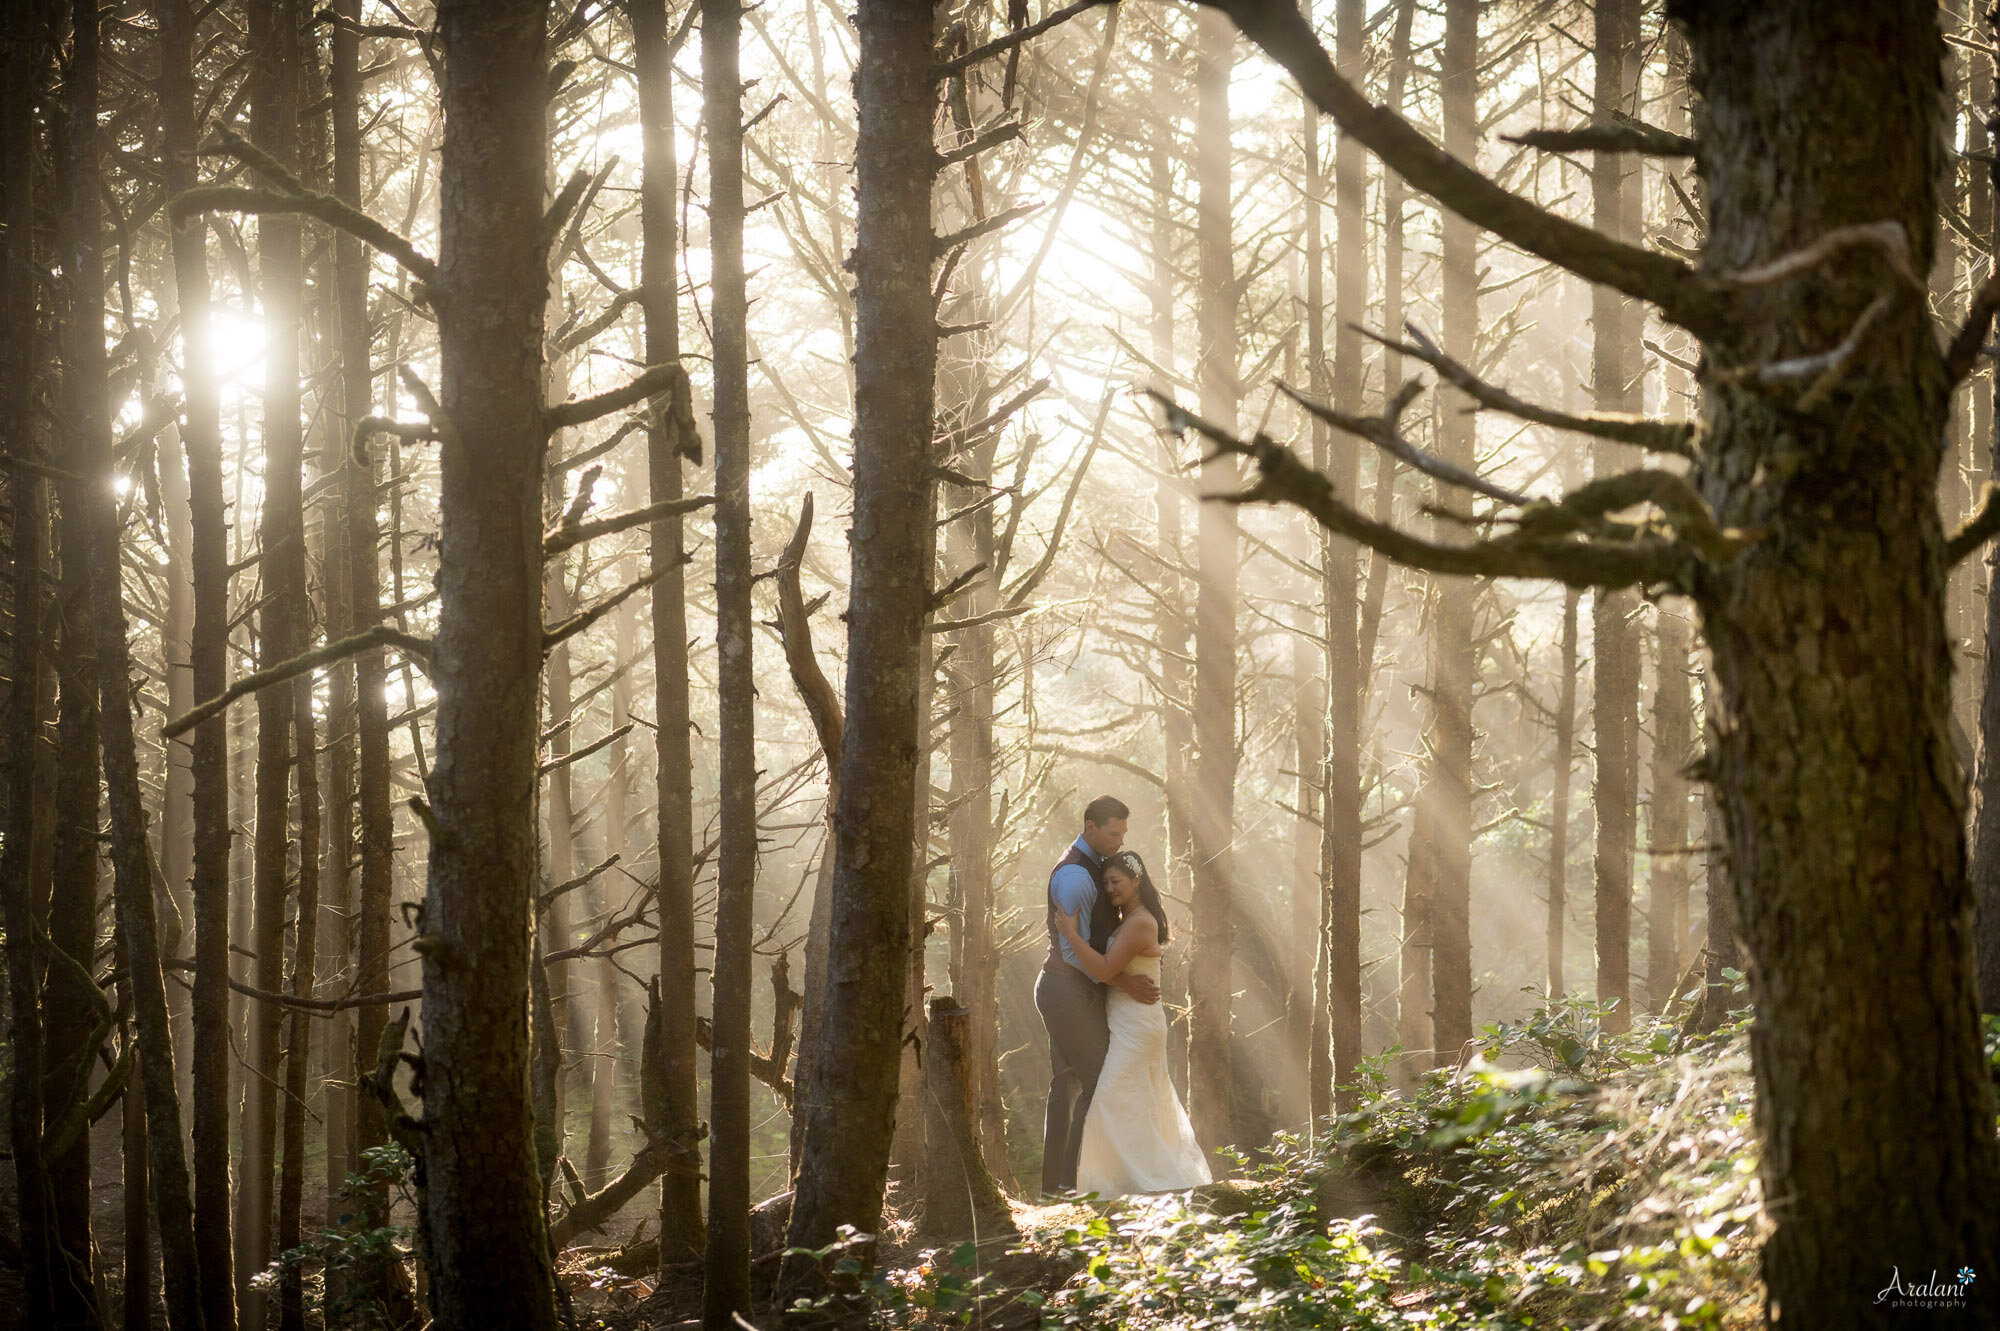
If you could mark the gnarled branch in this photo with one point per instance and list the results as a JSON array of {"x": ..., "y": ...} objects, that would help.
[
  {"x": 569, "y": 535},
  {"x": 1283, "y": 478}
]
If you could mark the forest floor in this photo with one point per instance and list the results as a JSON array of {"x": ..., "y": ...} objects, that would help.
[{"x": 1564, "y": 1178}]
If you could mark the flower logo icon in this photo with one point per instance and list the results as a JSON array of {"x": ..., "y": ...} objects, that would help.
[{"x": 1966, "y": 1275}]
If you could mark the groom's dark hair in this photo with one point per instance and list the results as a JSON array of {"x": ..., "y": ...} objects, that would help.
[{"x": 1103, "y": 809}]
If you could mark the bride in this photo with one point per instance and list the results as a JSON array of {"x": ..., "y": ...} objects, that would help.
[{"x": 1137, "y": 1137}]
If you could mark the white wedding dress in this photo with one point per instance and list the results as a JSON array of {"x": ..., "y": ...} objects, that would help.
[{"x": 1137, "y": 1137}]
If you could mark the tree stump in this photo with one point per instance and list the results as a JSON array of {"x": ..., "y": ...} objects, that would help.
[{"x": 960, "y": 1197}]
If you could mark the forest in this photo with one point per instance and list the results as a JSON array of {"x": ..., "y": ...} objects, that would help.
[{"x": 874, "y": 663}]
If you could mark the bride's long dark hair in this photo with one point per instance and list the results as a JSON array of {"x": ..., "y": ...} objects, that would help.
[{"x": 1128, "y": 862}]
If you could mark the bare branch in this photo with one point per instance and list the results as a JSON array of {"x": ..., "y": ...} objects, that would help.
[
  {"x": 583, "y": 619},
  {"x": 941, "y": 245},
  {"x": 795, "y": 629},
  {"x": 1381, "y": 432},
  {"x": 1821, "y": 372},
  {"x": 570, "y": 535},
  {"x": 1118, "y": 761},
  {"x": 369, "y": 426},
  {"x": 382, "y": 635},
  {"x": 1681, "y": 294},
  {"x": 656, "y": 379},
  {"x": 999, "y": 45},
  {"x": 1971, "y": 336},
  {"x": 291, "y": 196},
  {"x": 1887, "y": 238},
  {"x": 1676, "y": 437},
  {"x": 1981, "y": 527},
  {"x": 1622, "y": 136},
  {"x": 1283, "y": 478}
]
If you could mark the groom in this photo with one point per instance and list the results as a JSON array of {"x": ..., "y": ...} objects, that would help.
[{"x": 1071, "y": 1003}]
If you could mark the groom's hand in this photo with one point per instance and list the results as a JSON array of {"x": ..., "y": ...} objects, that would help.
[{"x": 1138, "y": 987}]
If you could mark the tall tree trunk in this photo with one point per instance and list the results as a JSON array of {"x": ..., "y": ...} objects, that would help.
[
  {"x": 1985, "y": 837},
  {"x": 1617, "y": 382},
  {"x": 274, "y": 31},
  {"x": 30, "y": 770},
  {"x": 1340, "y": 846},
  {"x": 846, "y": 1149},
  {"x": 1831, "y": 750},
  {"x": 726, "y": 1287},
  {"x": 201, "y": 437},
  {"x": 374, "y": 815},
  {"x": 485, "y": 1236},
  {"x": 1560, "y": 763},
  {"x": 1454, "y": 664},
  {"x": 1309, "y": 1071},
  {"x": 681, "y": 1229},
  {"x": 1667, "y": 821},
  {"x": 131, "y": 859},
  {"x": 1211, "y": 960},
  {"x": 68, "y": 999},
  {"x": 1176, "y": 705}
]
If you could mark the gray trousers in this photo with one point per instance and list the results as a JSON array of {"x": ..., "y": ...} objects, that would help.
[{"x": 1072, "y": 1008}]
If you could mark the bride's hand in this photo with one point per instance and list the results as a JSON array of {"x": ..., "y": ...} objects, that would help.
[{"x": 1067, "y": 925}]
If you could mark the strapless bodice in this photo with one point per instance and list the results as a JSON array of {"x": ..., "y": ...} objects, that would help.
[{"x": 1146, "y": 966}]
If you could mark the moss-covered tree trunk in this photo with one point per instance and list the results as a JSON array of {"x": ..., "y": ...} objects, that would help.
[{"x": 1830, "y": 746}]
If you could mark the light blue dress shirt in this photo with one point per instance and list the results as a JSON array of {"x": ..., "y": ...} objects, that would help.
[{"x": 1076, "y": 894}]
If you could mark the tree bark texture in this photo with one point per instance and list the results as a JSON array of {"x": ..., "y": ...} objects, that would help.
[
  {"x": 92, "y": 500},
  {"x": 1617, "y": 383},
  {"x": 846, "y": 1146},
  {"x": 1667, "y": 820},
  {"x": 1559, "y": 796},
  {"x": 485, "y": 1236},
  {"x": 1211, "y": 956},
  {"x": 30, "y": 769},
  {"x": 201, "y": 440},
  {"x": 726, "y": 1287},
  {"x": 1454, "y": 664},
  {"x": 1341, "y": 834},
  {"x": 682, "y": 1231},
  {"x": 1830, "y": 746}
]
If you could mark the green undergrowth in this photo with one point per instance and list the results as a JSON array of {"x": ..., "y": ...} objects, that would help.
[{"x": 1566, "y": 1177}]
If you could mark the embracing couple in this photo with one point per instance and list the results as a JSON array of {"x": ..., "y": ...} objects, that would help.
[{"x": 1115, "y": 1126}]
